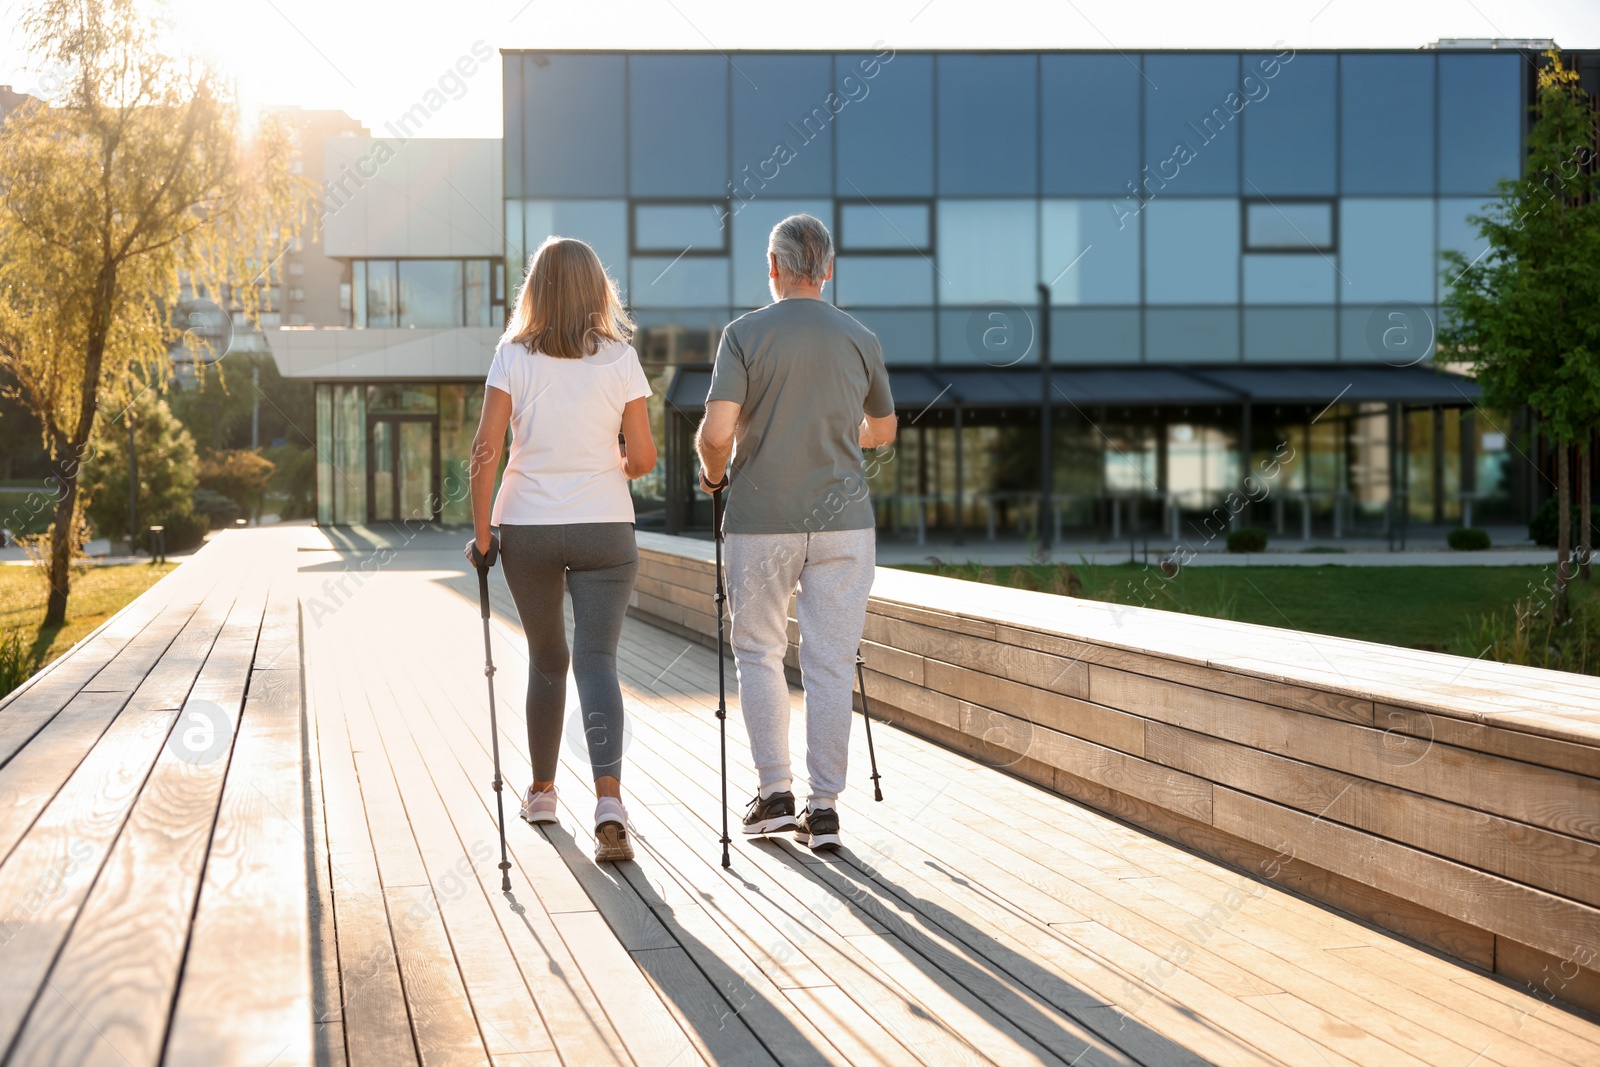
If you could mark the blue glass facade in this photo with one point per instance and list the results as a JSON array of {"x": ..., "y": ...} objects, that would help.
[
  {"x": 1190, "y": 207},
  {"x": 1181, "y": 213}
]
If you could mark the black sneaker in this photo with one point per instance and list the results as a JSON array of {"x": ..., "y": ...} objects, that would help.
[
  {"x": 819, "y": 829},
  {"x": 772, "y": 815}
]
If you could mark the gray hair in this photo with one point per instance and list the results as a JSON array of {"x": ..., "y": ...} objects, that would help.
[{"x": 804, "y": 248}]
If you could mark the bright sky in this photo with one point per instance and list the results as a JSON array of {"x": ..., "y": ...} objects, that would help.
[{"x": 374, "y": 60}]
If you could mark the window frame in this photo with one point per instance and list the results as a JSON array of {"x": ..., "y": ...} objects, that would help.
[
  {"x": 723, "y": 205},
  {"x": 928, "y": 250},
  {"x": 1248, "y": 202},
  {"x": 359, "y": 311}
]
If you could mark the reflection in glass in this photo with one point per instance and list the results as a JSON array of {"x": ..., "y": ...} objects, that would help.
[
  {"x": 1085, "y": 257},
  {"x": 383, "y": 470},
  {"x": 885, "y": 142},
  {"x": 1090, "y": 123},
  {"x": 430, "y": 292},
  {"x": 886, "y": 281},
  {"x": 988, "y": 138},
  {"x": 1094, "y": 335},
  {"x": 1288, "y": 225},
  {"x": 1386, "y": 139},
  {"x": 459, "y": 409},
  {"x": 358, "y": 293},
  {"x": 1288, "y": 279},
  {"x": 1183, "y": 335},
  {"x": 1192, "y": 252},
  {"x": 883, "y": 226},
  {"x": 1289, "y": 126},
  {"x": 324, "y": 453},
  {"x": 1480, "y": 121},
  {"x": 1190, "y": 140},
  {"x": 1000, "y": 336},
  {"x": 402, "y": 397},
  {"x": 988, "y": 250},
  {"x": 349, "y": 453},
  {"x": 675, "y": 228},
  {"x": 383, "y": 294},
  {"x": 678, "y": 125},
  {"x": 1288, "y": 335},
  {"x": 1458, "y": 234},
  {"x": 569, "y": 100},
  {"x": 475, "y": 295},
  {"x": 667, "y": 282},
  {"x": 906, "y": 336},
  {"x": 1386, "y": 250},
  {"x": 414, "y": 476},
  {"x": 789, "y": 109}
]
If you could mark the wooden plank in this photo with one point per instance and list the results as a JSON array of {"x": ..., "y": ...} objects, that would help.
[
  {"x": 1512, "y": 744},
  {"x": 118, "y": 969},
  {"x": 990, "y": 656},
  {"x": 1553, "y": 799},
  {"x": 1542, "y": 858},
  {"x": 26, "y": 785},
  {"x": 1530, "y": 916},
  {"x": 372, "y": 1007},
  {"x": 253, "y": 901}
]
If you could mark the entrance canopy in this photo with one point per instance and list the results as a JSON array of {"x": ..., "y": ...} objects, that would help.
[{"x": 947, "y": 388}]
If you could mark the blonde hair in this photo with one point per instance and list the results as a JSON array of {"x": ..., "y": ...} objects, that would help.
[{"x": 568, "y": 304}]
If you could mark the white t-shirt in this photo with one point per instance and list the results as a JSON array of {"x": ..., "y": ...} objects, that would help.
[{"x": 565, "y": 465}]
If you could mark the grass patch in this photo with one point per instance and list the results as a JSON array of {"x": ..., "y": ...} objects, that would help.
[
  {"x": 1434, "y": 608},
  {"x": 97, "y": 594}
]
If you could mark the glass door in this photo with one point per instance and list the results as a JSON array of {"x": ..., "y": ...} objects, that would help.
[{"x": 402, "y": 468}]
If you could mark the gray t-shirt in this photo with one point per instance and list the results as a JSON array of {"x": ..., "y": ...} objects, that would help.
[{"x": 803, "y": 373}]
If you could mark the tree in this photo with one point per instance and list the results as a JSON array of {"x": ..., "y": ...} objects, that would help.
[
  {"x": 164, "y": 463},
  {"x": 135, "y": 181},
  {"x": 1527, "y": 313},
  {"x": 238, "y": 474}
]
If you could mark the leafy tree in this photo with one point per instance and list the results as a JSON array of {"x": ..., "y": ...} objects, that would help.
[
  {"x": 135, "y": 181},
  {"x": 1527, "y": 314},
  {"x": 217, "y": 404},
  {"x": 164, "y": 463}
]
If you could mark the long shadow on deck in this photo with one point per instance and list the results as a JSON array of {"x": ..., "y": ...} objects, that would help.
[{"x": 849, "y": 876}]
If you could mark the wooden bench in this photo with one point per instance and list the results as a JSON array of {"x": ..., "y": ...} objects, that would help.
[
  {"x": 1452, "y": 801},
  {"x": 152, "y": 850}
]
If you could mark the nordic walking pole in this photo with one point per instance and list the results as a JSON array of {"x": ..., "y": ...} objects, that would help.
[
  {"x": 861, "y": 677},
  {"x": 483, "y": 564},
  {"x": 722, "y": 688}
]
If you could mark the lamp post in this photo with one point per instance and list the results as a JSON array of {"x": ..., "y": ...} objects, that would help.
[{"x": 1046, "y": 453}]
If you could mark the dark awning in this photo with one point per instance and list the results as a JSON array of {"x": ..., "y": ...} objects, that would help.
[{"x": 946, "y": 388}]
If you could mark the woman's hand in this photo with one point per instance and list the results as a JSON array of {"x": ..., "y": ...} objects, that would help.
[{"x": 482, "y": 550}]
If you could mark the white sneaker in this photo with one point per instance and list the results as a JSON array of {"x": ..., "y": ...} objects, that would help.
[
  {"x": 540, "y": 807},
  {"x": 611, "y": 844}
]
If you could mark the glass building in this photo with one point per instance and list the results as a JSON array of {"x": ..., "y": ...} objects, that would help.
[{"x": 1204, "y": 260}]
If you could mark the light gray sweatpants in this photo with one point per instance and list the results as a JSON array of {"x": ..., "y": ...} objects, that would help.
[{"x": 833, "y": 572}]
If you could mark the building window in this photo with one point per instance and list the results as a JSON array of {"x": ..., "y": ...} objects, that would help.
[
  {"x": 297, "y": 294},
  {"x": 685, "y": 227},
  {"x": 425, "y": 293},
  {"x": 1289, "y": 226},
  {"x": 885, "y": 226},
  {"x": 296, "y": 269}
]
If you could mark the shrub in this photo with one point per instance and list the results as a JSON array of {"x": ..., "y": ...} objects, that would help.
[
  {"x": 1247, "y": 539},
  {"x": 216, "y": 509},
  {"x": 1469, "y": 539},
  {"x": 184, "y": 532},
  {"x": 1528, "y": 634},
  {"x": 1545, "y": 524},
  {"x": 294, "y": 482},
  {"x": 238, "y": 474}
]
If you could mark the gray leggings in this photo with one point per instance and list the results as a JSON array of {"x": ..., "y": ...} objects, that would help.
[{"x": 598, "y": 561}]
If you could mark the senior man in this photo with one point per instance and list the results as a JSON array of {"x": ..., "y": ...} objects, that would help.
[{"x": 798, "y": 391}]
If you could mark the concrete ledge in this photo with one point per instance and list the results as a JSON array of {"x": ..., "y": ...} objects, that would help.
[{"x": 1451, "y": 801}]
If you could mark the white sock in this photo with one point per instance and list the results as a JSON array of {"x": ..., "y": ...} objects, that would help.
[
  {"x": 610, "y": 809},
  {"x": 783, "y": 785},
  {"x": 818, "y": 803}
]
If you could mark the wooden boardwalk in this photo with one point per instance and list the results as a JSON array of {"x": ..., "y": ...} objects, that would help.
[
  {"x": 972, "y": 919},
  {"x": 321, "y": 887}
]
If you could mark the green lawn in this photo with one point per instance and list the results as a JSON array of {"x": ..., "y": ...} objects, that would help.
[
  {"x": 1436, "y": 608},
  {"x": 97, "y": 594}
]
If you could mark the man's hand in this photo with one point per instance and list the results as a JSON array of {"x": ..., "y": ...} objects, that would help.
[{"x": 710, "y": 487}]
